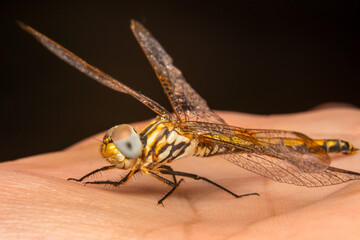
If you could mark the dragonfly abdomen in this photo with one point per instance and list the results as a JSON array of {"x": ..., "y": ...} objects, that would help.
[
  {"x": 336, "y": 146},
  {"x": 207, "y": 150}
]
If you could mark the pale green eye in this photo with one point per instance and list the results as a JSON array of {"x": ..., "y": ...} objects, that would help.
[{"x": 126, "y": 140}]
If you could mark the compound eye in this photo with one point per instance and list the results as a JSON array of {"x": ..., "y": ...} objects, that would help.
[{"x": 127, "y": 141}]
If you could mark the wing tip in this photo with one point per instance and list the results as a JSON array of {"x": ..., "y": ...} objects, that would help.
[
  {"x": 22, "y": 25},
  {"x": 138, "y": 27},
  {"x": 343, "y": 171},
  {"x": 27, "y": 28},
  {"x": 134, "y": 23}
]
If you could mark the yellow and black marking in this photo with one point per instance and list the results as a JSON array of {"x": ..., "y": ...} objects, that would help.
[
  {"x": 164, "y": 144},
  {"x": 108, "y": 149},
  {"x": 336, "y": 146},
  {"x": 207, "y": 148}
]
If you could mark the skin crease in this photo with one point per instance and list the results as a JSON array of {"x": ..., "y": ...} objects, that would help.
[{"x": 37, "y": 202}]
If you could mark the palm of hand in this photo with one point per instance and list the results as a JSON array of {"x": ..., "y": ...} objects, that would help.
[{"x": 37, "y": 201}]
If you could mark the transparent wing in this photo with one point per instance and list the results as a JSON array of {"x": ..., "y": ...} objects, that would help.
[
  {"x": 283, "y": 171},
  {"x": 283, "y": 156},
  {"x": 92, "y": 71},
  {"x": 186, "y": 102}
]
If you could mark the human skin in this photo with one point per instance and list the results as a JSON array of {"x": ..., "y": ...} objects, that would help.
[{"x": 38, "y": 202}]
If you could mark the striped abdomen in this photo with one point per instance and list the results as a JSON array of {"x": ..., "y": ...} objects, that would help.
[{"x": 336, "y": 146}]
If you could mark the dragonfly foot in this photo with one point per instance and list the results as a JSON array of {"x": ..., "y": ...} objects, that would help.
[
  {"x": 74, "y": 179},
  {"x": 170, "y": 192},
  {"x": 248, "y": 194}
]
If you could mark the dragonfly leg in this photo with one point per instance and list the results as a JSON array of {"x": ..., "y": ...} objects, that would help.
[
  {"x": 197, "y": 177},
  {"x": 169, "y": 168},
  {"x": 91, "y": 173},
  {"x": 116, "y": 183},
  {"x": 170, "y": 192},
  {"x": 168, "y": 182}
]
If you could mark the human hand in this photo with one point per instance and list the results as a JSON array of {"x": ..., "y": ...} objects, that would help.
[{"x": 37, "y": 202}]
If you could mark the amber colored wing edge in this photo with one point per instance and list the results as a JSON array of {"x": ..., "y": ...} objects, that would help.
[
  {"x": 92, "y": 71},
  {"x": 269, "y": 153},
  {"x": 187, "y": 104}
]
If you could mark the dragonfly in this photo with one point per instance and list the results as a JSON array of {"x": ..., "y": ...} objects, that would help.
[{"x": 193, "y": 129}]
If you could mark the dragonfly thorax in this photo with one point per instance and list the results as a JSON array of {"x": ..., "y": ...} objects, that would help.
[{"x": 164, "y": 142}]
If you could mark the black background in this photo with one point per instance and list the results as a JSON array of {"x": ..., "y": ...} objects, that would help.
[{"x": 262, "y": 57}]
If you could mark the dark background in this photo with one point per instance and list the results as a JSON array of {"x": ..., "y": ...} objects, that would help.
[{"x": 262, "y": 57}]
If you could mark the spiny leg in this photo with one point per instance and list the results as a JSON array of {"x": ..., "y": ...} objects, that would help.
[
  {"x": 197, "y": 177},
  {"x": 170, "y": 192},
  {"x": 168, "y": 182},
  {"x": 91, "y": 173},
  {"x": 171, "y": 169},
  {"x": 116, "y": 183}
]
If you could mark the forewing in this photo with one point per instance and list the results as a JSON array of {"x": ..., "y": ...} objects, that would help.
[
  {"x": 283, "y": 156},
  {"x": 92, "y": 71},
  {"x": 186, "y": 102}
]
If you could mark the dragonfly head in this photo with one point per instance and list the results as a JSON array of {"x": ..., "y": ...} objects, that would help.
[{"x": 122, "y": 146}]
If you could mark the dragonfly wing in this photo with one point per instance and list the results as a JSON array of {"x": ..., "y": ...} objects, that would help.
[
  {"x": 298, "y": 160},
  {"x": 282, "y": 156},
  {"x": 283, "y": 171},
  {"x": 186, "y": 102},
  {"x": 92, "y": 71}
]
